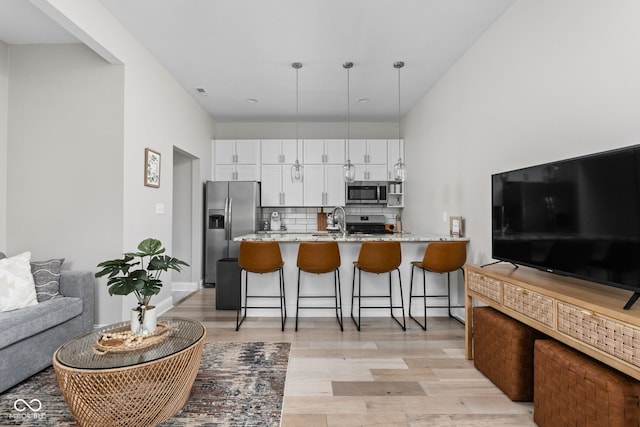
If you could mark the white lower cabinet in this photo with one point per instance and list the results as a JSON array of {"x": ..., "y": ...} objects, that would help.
[
  {"x": 277, "y": 188},
  {"x": 324, "y": 185}
]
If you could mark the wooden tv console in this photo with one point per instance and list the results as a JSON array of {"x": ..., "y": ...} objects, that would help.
[{"x": 584, "y": 315}]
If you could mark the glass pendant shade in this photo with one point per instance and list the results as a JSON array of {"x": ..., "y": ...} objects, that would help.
[
  {"x": 349, "y": 171},
  {"x": 297, "y": 172},
  {"x": 400, "y": 171}
]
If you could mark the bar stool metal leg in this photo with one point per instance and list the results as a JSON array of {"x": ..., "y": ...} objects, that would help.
[
  {"x": 238, "y": 321},
  {"x": 320, "y": 258},
  {"x": 353, "y": 289},
  {"x": 377, "y": 258},
  {"x": 337, "y": 297},
  {"x": 298, "y": 300},
  {"x": 283, "y": 301},
  {"x": 424, "y": 296},
  {"x": 261, "y": 258},
  {"x": 338, "y": 293},
  {"x": 439, "y": 257},
  {"x": 403, "y": 325},
  {"x": 359, "y": 297}
]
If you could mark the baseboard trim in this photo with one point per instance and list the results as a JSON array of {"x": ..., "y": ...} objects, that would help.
[
  {"x": 164, "y": 305},
  {"x": 186, "y": 286}
]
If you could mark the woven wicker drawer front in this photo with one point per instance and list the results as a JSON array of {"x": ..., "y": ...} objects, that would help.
[
  {"x": 485, "y": 286},
  {"x": 531, "y": 304},
  {"x": 616, "y": 338}
]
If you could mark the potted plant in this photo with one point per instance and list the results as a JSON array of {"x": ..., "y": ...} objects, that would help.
[{"x": 139, "y": 273}]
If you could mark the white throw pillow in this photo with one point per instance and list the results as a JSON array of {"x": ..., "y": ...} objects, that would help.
[{"x": 17, "y": 289}]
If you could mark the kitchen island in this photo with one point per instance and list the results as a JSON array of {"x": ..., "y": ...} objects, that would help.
[{"x": 412, "y": 245}]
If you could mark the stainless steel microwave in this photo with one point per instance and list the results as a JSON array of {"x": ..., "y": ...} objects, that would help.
[{"x": 371, "y": 193}]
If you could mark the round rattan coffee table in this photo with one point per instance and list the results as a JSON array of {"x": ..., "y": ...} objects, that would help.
[{"x": 141, "y": 387}]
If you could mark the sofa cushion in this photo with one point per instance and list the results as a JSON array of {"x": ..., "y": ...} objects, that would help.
[
  {"x": 20, "y": 324},
  {"x": 17, "y": 289},
  {"x": 46, "y": 275}
]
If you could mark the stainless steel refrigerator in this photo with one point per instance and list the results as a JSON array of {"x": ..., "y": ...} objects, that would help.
[{"x": 232, "y": 209}]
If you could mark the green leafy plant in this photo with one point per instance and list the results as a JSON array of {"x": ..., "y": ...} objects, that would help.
[{"x": 139, "y": 272}]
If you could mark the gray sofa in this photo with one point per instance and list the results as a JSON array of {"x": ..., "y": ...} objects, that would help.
[{"x": 29, "y": 336}]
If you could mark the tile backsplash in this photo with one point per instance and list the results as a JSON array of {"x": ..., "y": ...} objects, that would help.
[{"x": 305, "y": 219}]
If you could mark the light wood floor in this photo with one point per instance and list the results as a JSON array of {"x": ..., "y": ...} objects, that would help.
[{"x": 380, "y": 376}]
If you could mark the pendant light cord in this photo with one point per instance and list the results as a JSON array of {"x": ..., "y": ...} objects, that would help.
[
  {"x": 348, "y": 66},
  {"x": 398, "y": 65},
  {"x": 297, "y": 66}
]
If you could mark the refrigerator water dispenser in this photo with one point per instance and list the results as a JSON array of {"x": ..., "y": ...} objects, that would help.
[{"x": 216, "y": 221}]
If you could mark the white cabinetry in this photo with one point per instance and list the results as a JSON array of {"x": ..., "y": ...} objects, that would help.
[
  {"x": 323, "y": 182},
  {"x": 395, "y": 149},
  {"x": 324, "y": 185},
  {"x": 395, "y": 195},
  {"x": 324, "y": 151},
  {"x": 369, "y": 157},
  {"x": 235, "y": 160},
  {"x": 277, "y": 158},
  {"x": 279, "y": 151}
]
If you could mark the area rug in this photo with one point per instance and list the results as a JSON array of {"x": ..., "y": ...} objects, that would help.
[{"x": 238, "y": 384}]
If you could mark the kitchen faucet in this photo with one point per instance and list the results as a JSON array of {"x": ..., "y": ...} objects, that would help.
[{"x": 342, "y": 227}]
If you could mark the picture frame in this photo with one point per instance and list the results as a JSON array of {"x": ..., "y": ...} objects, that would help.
[
  {"x": 151, "y": 168},
  {"x": 456, "y": 226}
]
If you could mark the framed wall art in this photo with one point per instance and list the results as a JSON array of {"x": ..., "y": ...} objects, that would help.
[
  {"x": 151, "y": 168},
  {"x": 456, "y": 226}
]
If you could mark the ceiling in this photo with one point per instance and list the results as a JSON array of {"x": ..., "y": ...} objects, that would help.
[
  {"x": 23, "y": 23},
  {"x": 242, "y": 50}
]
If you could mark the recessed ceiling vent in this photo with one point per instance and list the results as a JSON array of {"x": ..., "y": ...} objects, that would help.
[{"x": 202, "y": 91}]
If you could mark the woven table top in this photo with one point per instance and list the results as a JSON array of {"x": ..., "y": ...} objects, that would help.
[{"x": 79, "y": 352}]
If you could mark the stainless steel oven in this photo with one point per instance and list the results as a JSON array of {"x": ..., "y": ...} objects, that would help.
[{"x": 371, "y": 193}]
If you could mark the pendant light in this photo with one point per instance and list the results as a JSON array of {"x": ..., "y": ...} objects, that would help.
[
  {"x": 399, "y": 169},
  {"x": 348, "y": 169},
  {"x": 296, "y": 168}
]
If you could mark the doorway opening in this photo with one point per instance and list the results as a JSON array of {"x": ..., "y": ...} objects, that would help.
[{"x": 186, "y": 224}]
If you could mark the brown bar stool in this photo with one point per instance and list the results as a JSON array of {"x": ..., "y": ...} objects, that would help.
[
  {"x": 319, "y": 258},
  {"x": 377, "y": 257},
  {"x": 439, "y": 257},
  {"x": 261, "y": 258}
]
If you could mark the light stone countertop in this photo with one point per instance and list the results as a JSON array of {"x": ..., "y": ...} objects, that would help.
[{"x": 323, "y": 236}]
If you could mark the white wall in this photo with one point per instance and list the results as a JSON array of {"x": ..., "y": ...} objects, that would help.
[
  {"x": 309, "y": 130},
  {"x": 4, "y": 105},
  {"x": 65, "y": 156},
  {"x": 183, "y": 215},
  {"x": 157, "y": 113},
  {"x": 550, "y": 80}
]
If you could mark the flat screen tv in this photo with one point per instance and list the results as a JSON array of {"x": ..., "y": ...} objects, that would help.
[{"x": 578, "y": 217}]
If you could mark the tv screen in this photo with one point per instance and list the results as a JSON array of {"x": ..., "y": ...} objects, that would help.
[{"x": 578, "y": 217}]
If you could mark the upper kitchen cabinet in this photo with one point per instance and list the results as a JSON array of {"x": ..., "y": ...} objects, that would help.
[
  {"x": 278, "y": 155},
  {"x": 324, "y": 185},
  {"x": 235, "y": 160},
  {"x": 280, "y": 151},
  {"x": 324, "y": 151},
  {"x": 369, "y": 157},
  {"x": 240, "y": 151},
  {"x": 277, "y": 188},
  {"x": 395, "y": 151}
]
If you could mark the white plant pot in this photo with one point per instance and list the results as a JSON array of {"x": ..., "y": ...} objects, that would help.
[{"x": 149, "y": 322}]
